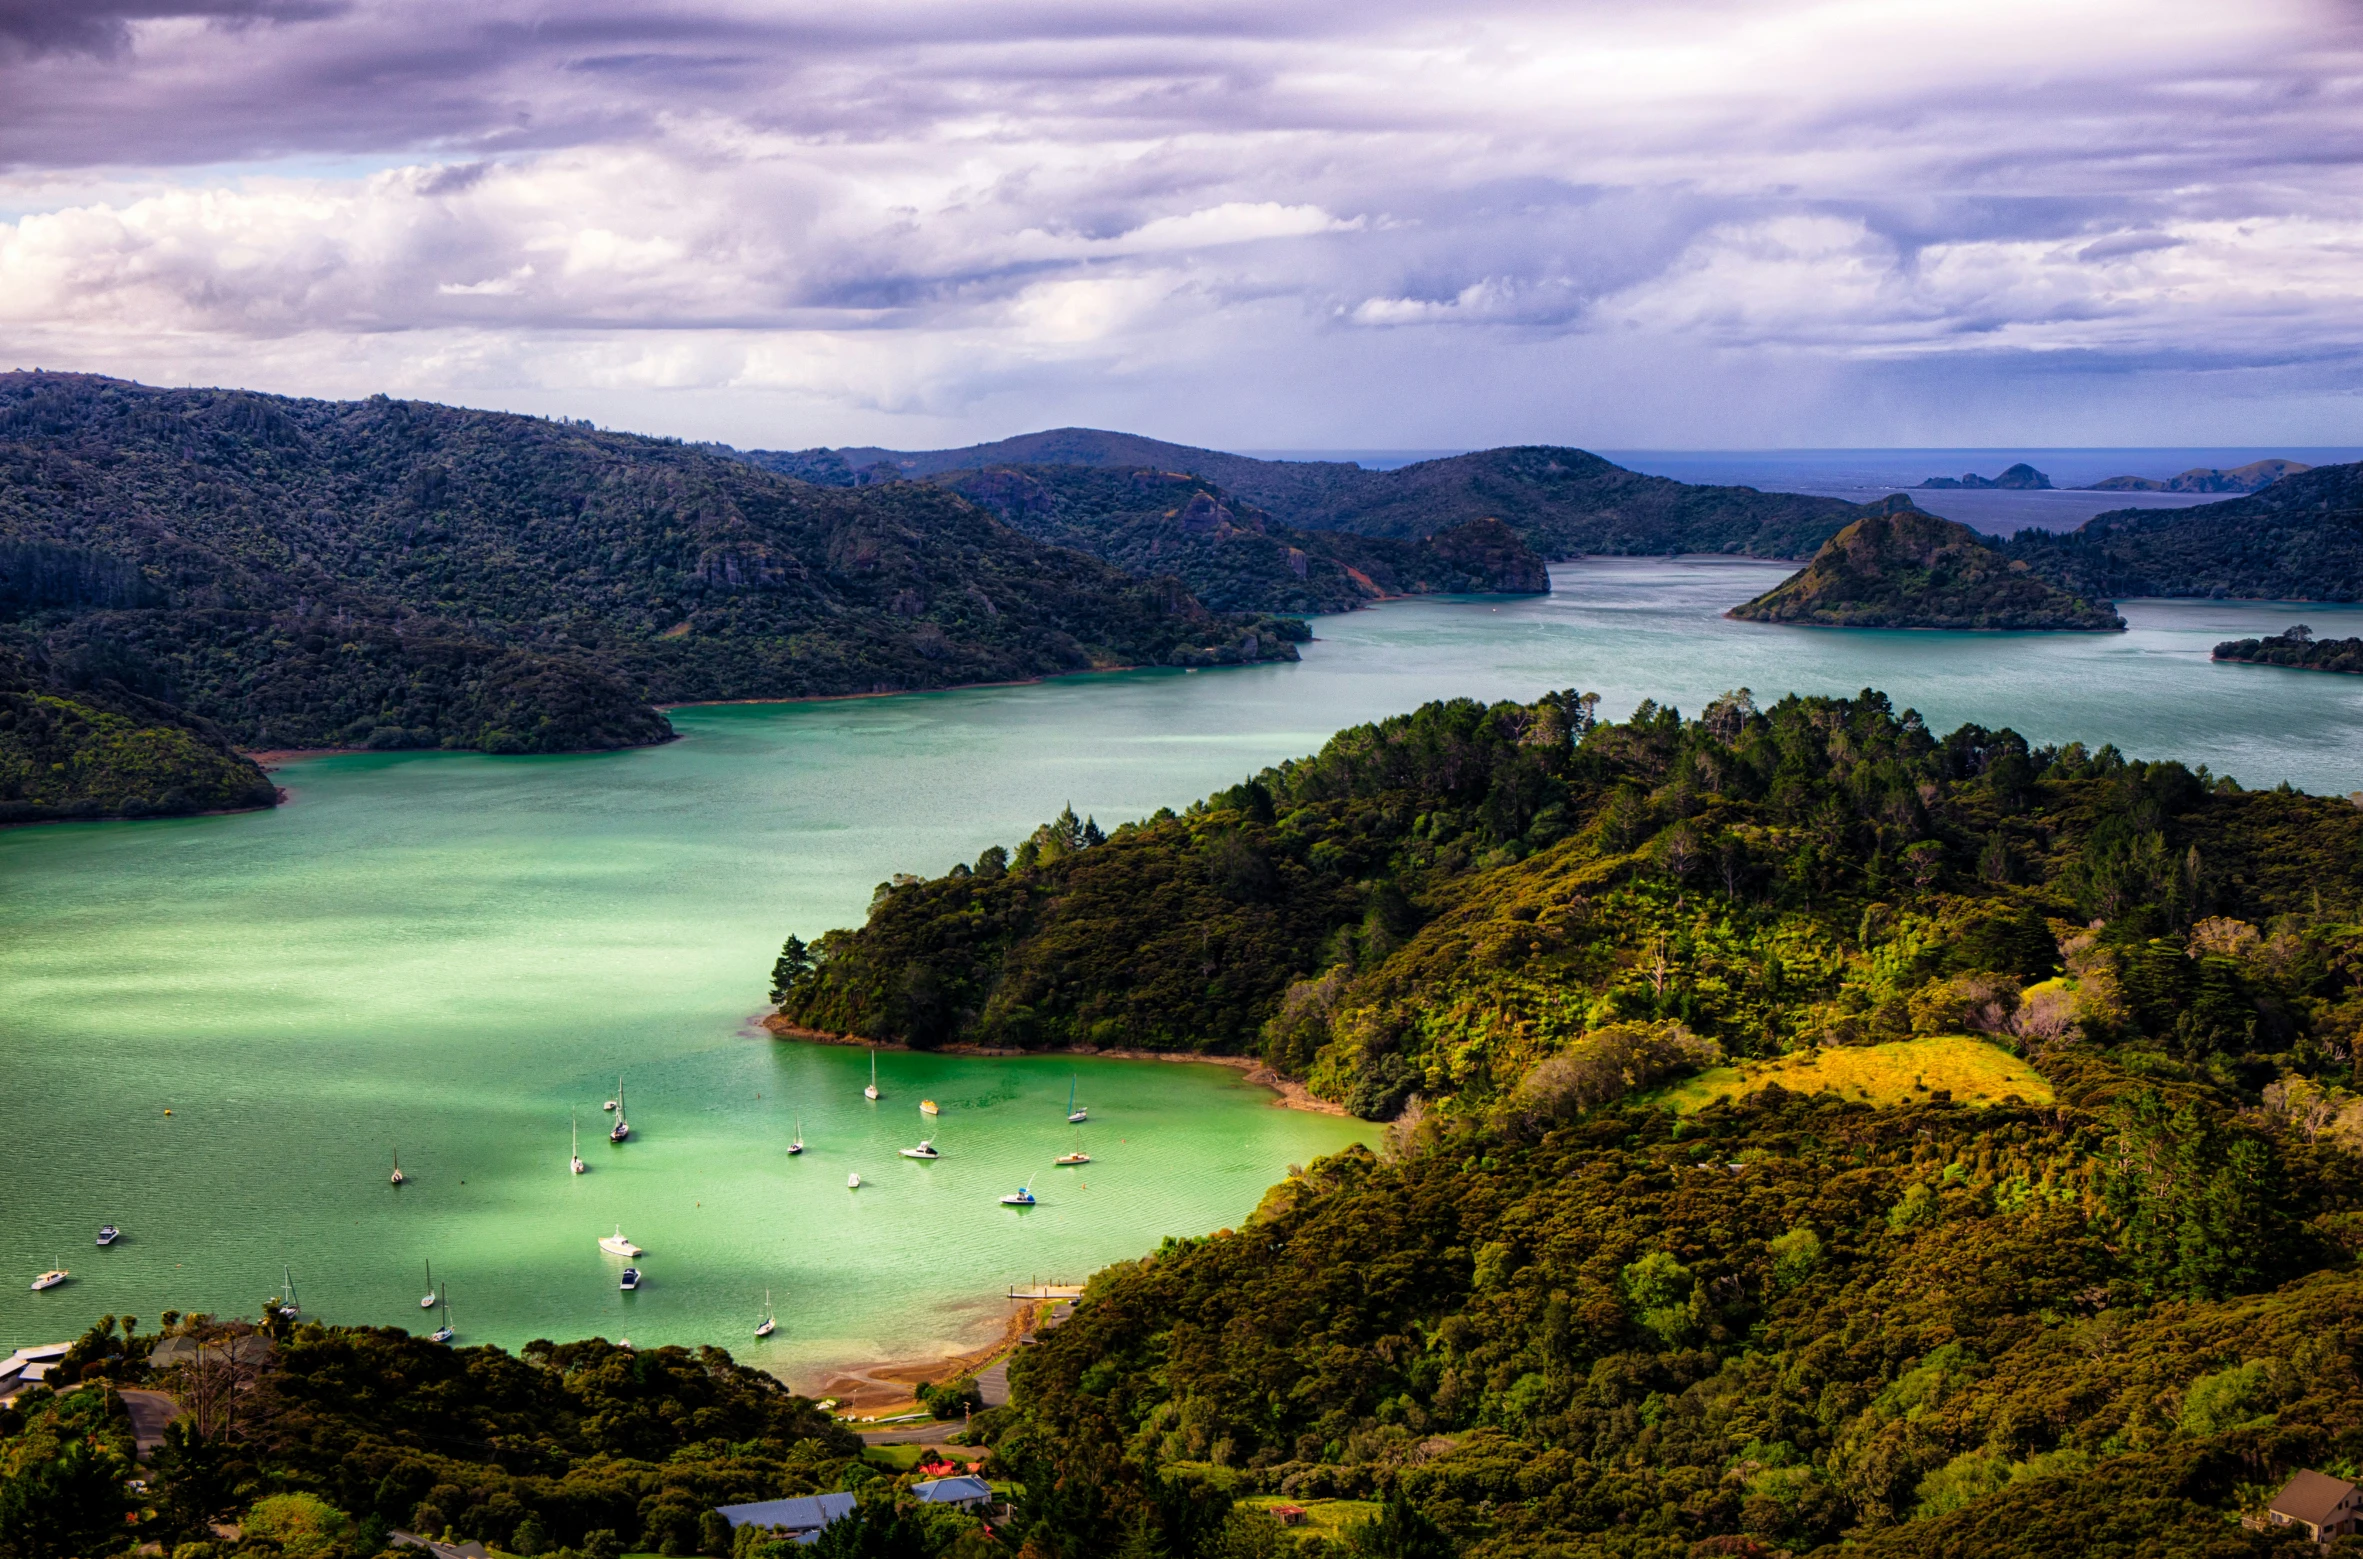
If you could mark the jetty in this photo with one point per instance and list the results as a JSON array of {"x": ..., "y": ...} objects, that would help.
[{"x": 1048, "y": 1291}]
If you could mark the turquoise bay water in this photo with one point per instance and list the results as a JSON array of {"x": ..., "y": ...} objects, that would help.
[{"x": 448, "y": 952}]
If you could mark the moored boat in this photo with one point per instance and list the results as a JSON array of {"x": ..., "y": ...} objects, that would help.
[
  {"x": 770, "y": 1322},
  {"x": 630, "y": 1280},
  {"x": 397, "y": 1177},
  {"x": 108, "y": 1234},
  {"x": 617, "y": 1245},
  {"x": 575, "y": 1152},
  {"x": 1023, "y": 1196},
  {"x": 427, "y": 1300},
  {"x": 930, "y": 1107},
  {"x": 622, "y": 1127},
  {"x": 50, "y": 1279},
  {"x": 871, "y": 1093},
  {"x": 925, "y": 1149},
  {"x": 1069, "y": 1160},
  {"x": 797, "y": 1146},
  {"x": 853, "y": 1182},
  {"x": 1076, "y": 1114},
  {"x": 443, "y": 1333}
]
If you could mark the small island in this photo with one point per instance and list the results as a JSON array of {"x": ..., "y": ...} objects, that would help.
[
  {"x": 1902, "y": 567},
  {"x": 2021, "y": 478},
  {"x": 2297, "y": 648},
  {"x": 2253, "y": 477}
]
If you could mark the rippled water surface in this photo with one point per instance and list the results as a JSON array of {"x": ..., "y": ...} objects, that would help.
[{"x": 449, "y": 953}]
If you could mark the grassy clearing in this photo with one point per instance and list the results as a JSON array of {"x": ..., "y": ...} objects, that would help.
[
  {"x": 1908, "y": 1071},
  {"x": 1323, "y": 1517}
]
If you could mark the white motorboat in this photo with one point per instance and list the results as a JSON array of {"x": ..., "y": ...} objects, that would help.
[
  {"x": 770, "y": 1322},
  {"x": 617, "y": 1245},
  {"x": 108, "y": 1234},
  {"x": 429, "y": 1299},
  {"x": 443, "y": 1333},
  {"x": 1076, "y": 1114},
  {"x": 1070, "y": 1160},
  {"x": 630, "y": 1280},
  {"x": 853, "y": 1182},
  {"x": 1023, "y": 1196},
  {"x": 797, "y": 1146},
  {"x": 50, "y": 1279},
  {"x": 871, "y": 1093},
  {"x": 925, "y": 1149},
  {"x": 575, "y": 1152},
  {"x": 397, "y": 1177}
]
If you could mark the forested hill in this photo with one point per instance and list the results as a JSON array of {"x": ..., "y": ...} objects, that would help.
[
  {"x": 2300, "y": 539},
  {"x": 1808, "y": 1129},
  {"x": 1562, "y": 502},
  {"x": 402, "y": 574},
  {"x": 75, "y": 742},
  {"x": 1234, "y": 556}
]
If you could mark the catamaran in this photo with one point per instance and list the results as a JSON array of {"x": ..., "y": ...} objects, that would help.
[
  {"x": 1076, "y": 1115},
  {"x": 925, "y": 1149},
  {"x": 622, "y": 1127},
  {"x": 770, "y": 1322},
  {"x": 871, "y": 1093},
  {"x": 575, "y": 1153},
  {"x": 398, "y": 1177},
  {"x": 50, "y": 1279},
  {"x": 443, "y": 1333},
  {"x": 797, "y": 1146},
  {"x": 427, "y": 1300},
  {"x": 616, "y": 1245},
  {"x": 1023, "y": 1196}
]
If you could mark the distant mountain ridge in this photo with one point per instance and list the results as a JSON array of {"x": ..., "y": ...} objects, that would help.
[
  {"x": 2252, "y": 477},
  {"x": 1563, "y": 502},
  {"x": 2299, "y": 539},
  {"x": 397, "y": 574}
]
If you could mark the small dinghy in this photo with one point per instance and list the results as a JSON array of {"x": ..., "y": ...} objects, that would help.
[{"x": 853, "y": 1182}]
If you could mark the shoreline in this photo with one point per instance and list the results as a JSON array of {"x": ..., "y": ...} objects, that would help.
[
  {"x": 1290, "y": 1094},
  {"x": 889, "y": 1387}
]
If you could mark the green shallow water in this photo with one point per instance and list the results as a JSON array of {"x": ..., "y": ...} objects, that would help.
[{"x": 447, "y": 952}]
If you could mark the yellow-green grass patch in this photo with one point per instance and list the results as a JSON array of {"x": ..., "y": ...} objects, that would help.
[
  {"x": 1905, "y": 1072},
  {"x": 1323, "y": 1517}
]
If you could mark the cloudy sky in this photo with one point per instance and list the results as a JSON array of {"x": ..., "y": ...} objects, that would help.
[{"x": 1317, "y": 223}]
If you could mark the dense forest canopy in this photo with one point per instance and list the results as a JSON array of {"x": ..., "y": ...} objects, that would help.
[
  {"x": 2298, "y": 539},
  {"x": 400, "y": 574}
]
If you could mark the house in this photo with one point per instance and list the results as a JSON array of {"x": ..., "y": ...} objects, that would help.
[
  {"x": 2323, "y": 1505},
  {"x": 27, "y": 1366},
  {"x": 800, "y": 1518},
  {"x": 1288, "y": 1515},
  {"x": 964, "y": 1493}
]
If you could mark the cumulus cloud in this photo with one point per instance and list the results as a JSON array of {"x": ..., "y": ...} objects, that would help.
[{"x": 980, "y": 216}]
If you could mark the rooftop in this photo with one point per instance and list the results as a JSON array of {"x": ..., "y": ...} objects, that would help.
[
  {"x": 804, "y": 1513},
  {"x": 2311, "y": 1497}
]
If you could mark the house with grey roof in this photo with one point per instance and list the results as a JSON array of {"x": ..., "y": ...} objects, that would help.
[
  {"x": 963, "y": 1493},
  {"x": 800, "y": 1518},
  {"x": 2326, "y": 1507}
]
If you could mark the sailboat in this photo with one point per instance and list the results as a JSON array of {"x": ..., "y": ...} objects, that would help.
[
  {"x": 1076, "y": 1156},
  {"x": 288, "y": 1308},
  {"x": 398, "y": 1177},
  {"x": 797, "y": 1146},
  {"x": 50, "y": 1279},
  {"x": 622, "y": 1128},
  {"x": 871, "y": 1093},
  {"x": 1023, "y": 1196},
  {"x": 1076, "y": 1115},
  {"x": 443, "y": 1333},
  {"x": 770, "y": 1322},
  {"x": 427, "y": 1300},
  {"x": 575, "y": 1153}
]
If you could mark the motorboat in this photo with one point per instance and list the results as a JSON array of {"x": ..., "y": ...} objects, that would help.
[
  {"x": 108, "y": 1234},
  {"x": 1076, "y": 1114},
  {"x": 575, "y": 1152},
  {"x": 622, "y": 1128},
  {"x": 443, "y": 1333},
  {"x": 871, "y": 1093},
  {"x": 769, "y": 1323},
  {"x": 429, "y": 1299},
  {"x": 617, "y": 1245},
  {"x": 925, "y": 1149},
  {"x": 853, "y": 1182},
  {"x": 1069, "y": 1160},
  {"x": 930, "y": 1107},
  {"x": 797, "y": 1146},
  {"x": 397, "y": 1177},
  {"x": 50, "y": 1279},
  {"x": 630, "y": 1280},
  {"x": 1023, "y": 1196}
]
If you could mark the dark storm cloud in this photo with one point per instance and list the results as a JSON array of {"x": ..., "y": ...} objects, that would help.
[{"x": 102, "y": 28}]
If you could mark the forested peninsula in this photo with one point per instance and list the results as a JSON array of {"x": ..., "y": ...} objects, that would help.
[
  {"x": 2296, "y": 648},
  {"x": 2009, "y": 1207},
  {"x": 383, "y": 573},
  {"x": 1898, "y": 567},
  {"x": 2298, "y": 539}
]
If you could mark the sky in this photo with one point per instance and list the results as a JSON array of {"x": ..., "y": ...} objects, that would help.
[{"x": 1685, "y": 224}]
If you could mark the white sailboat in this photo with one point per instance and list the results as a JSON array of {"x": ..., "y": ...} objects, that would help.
[
  {"x": 622, "y": 1128},
  {"x": 288, "y": 1308},
  {"x": 443, "y": 1333},
  {"x": 617, "y": 1245},
  {"x": 871, "y": 1093},
  {"x": 1076, "y": 1116},
  {"x": 575, "y": 1153},
  {"x": 770, "y": 1322},
  {"x": 1073, "y": 1157},
  {"x": 50, "y": 1279},
  {"x": 797, "y": 1146},
  {"x": 398, "y": 1177},
  {"x": 427, "y": 1300}
]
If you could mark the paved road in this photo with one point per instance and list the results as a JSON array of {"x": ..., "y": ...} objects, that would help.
[{"x": 150, "y": 1411}]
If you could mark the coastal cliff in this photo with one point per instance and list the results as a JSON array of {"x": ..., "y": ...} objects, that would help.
[{"x": 1900, "y": 567}]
